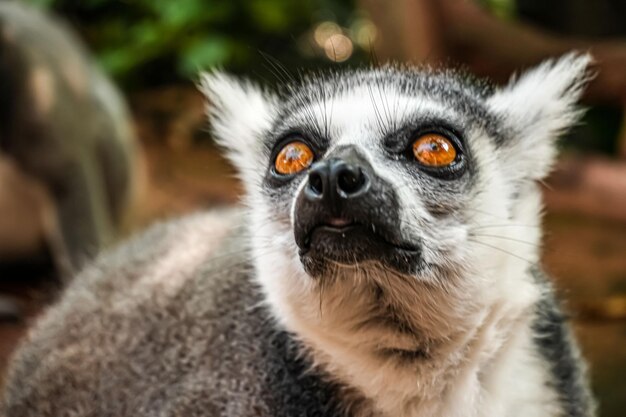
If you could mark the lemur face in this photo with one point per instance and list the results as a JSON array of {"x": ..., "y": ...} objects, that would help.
[
  {"x": 400, "y": 167},
  {"x": 375, "y": 167},
  {"x": 411, "y": 175}
]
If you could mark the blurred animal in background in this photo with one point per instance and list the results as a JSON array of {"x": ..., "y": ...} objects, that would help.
[
  {"x": 387, "y": 265},
  {"x": 66, "y": 144}
]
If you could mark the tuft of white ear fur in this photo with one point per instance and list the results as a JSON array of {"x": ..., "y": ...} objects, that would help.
[
  {"x": 538, "y": 107},
  {"x": 239, "y": 112}
]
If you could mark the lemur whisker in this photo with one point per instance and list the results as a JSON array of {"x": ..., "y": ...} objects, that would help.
[
  {"x": 507, "y": 238},
  {"x": 497, "y": 226},
  {"x": 377, "y": 115},
  {"x": 503, "y": 251},
  {"x": 277, "y": 68}
]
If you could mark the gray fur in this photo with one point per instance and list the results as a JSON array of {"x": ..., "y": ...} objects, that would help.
[{"x": 208, "y": 349}]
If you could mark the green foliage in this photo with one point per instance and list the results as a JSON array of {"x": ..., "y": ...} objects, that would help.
[
  {"x": 504, "y": 9},
  {"x": 144, "y": 42}
]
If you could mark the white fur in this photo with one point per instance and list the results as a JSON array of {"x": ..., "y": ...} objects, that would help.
[
  {"x": 476, "y": 320},
  {"x": 540, "y": 105},
  {"x": 240, "y": 112}
]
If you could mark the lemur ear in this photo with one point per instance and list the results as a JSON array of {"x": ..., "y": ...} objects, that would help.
[
  {"x": 537, "y": 107},
  {"x": 239, "y": 112}
]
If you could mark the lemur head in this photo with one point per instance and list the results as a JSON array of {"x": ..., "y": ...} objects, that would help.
[{"x": 378, "y": 192}]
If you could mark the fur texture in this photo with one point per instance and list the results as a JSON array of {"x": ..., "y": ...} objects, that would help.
[
  {"x": 170, "y": 324},
  {"x": 464, "y": 327}
]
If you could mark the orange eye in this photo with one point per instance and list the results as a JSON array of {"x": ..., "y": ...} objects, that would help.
[
  {"x": 434, "y": 150},
  {"x": 293, "y": 158}
]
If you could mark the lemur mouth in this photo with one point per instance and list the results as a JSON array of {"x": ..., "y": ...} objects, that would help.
[
  {"x": 338, "y": 235},
  {"x": 340, "y": 222}
]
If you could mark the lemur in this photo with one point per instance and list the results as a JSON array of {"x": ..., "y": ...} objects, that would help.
[
  {"x": 64, "y": 129},
  {"x": 386, "y": 263}
]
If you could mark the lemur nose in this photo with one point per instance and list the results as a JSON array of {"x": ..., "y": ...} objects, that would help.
[{"x": 336, "y": 179}]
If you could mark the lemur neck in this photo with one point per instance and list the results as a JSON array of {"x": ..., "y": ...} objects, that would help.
[{"x": 415, "y": 351}]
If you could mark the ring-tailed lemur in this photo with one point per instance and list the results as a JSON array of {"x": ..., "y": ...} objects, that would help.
[
  {"x": 66, "y": 129},
  {"x": 386, "y": 265}
]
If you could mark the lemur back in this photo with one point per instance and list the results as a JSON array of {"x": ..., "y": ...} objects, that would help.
[
  {"x": 386, "y": 264},
  {"x": 141, "y": 335}
]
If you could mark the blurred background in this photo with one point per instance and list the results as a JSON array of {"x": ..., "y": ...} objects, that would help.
[{"x": 102, "y": 130}]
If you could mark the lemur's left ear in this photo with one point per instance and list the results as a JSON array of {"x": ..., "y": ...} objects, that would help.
[
  {"x": 537, "y": 107},
  {"x": 239, "y": 112}
]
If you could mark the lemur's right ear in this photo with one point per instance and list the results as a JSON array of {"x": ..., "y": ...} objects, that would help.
[{"x": 239, "y": 112}]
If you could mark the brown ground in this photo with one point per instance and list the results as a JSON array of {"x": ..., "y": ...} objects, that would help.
[{"x": 586, "y": 255}]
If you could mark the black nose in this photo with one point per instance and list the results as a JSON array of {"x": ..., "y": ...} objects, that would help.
[{"x": 336, "y": 180}]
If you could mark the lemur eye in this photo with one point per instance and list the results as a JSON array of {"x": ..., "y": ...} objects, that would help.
[
  {"x": 293, "y": 158},
  {"x": 434, "y": 150}
]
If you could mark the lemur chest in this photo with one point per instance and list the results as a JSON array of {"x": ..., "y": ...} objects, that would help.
[
  {"x": 489, "y": 371},
  {"x": 508, "y": 389}
]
